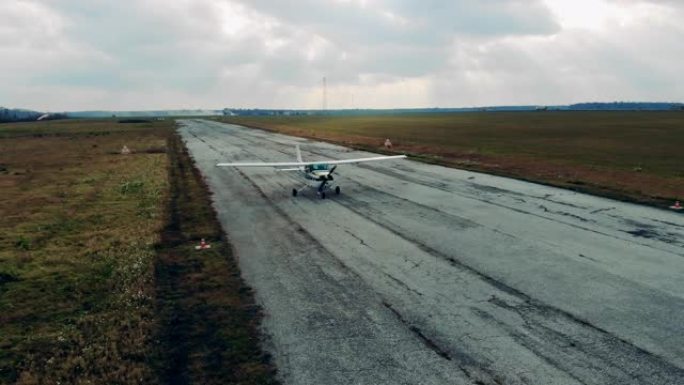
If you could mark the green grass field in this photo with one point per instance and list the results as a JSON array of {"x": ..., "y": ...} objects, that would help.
[
  {"x": 627, "y": 155},
  {"x": 99, "y": 281}
]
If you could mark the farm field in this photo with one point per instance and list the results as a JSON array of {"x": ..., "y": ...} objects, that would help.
[
  {"x": 634, "y": 156},
  {"x": 99, "y": 279}
]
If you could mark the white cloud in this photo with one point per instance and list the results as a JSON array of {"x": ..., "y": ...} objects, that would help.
[
  {"x": 616, "y": 62},
  {"x": 378, "y": 53}
]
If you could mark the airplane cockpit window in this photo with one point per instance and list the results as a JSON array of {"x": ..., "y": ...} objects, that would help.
[{"x": 319, "y": 167}]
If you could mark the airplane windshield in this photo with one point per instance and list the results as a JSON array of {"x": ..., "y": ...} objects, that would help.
[{"x": 319, "y": 167}]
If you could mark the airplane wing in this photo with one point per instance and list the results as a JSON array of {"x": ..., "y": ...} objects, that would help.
[
  {"x": 263, "y": 164},
  {"x": 300, "y": 164},
  {"x": 360, "y": 160},
  {"x": 289, "y": 169}
]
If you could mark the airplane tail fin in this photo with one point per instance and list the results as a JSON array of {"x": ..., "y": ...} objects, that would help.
[{"x": 299, "y": 154}]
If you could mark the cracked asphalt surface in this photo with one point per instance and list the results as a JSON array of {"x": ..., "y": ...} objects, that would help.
[{"x": 420, "y": 274}]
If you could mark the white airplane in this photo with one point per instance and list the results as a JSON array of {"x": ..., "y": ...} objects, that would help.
[{"x": 318, "y": 171}]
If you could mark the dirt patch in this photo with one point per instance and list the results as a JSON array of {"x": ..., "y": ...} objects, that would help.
[{"x": 209, "y": 319}]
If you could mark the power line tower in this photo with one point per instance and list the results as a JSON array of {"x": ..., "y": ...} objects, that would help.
[{"x": 325, "y": 93}]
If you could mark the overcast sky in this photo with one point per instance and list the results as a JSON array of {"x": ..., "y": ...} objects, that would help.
[{"x": 58, "y": 55}]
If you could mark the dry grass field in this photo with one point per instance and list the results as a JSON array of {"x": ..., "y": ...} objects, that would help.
[
  {"x": 99, "y": 281},
  {"x": 636, "y": 156}
]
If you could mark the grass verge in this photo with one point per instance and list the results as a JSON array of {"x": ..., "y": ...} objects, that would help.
[
  {"x": 210, "y": 329},
  {"x": 633, "y": 156},
  {"x": 98, "y": 279}
]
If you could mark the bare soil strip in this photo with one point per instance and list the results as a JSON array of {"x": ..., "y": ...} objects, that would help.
[{"x": 210, "y": 321}]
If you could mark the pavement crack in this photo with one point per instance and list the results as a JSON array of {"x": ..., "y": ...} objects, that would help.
[
  {"x": 547, "y": 198},
  {"x": 416, "y": 330},
  {"x": 563, "y": 213},
  {"x": 402, "y": 284},
  {"x": 361, "y": 241},
  {"x": 601, "y": 210}
]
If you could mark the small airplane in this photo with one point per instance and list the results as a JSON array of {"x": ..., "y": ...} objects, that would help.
[{"x": 319, "y": 172}]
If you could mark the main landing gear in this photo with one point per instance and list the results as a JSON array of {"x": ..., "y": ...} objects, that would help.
[{"x": 321, "y": 193}]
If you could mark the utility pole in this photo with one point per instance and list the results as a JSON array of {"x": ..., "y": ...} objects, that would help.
[{"x": 325, "y": 94}]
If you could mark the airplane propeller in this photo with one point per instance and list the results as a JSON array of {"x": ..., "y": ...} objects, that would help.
[
  {"x": 331, "y": 171},
  {"x": 326, "y": 179}
]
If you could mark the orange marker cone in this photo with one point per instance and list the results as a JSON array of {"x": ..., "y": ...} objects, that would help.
[
  {"x": 203, "y": 245},
  {"x": 677, "y": 206}
]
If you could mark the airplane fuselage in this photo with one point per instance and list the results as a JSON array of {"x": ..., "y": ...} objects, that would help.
[
  {"x": 318, "y": 175},
  {"x": 318, "y": 172}
]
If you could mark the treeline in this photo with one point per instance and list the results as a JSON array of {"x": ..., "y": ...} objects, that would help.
[
  {"x": 627, "y": 106},
  {"x": 18, "y": 115},
  {"x": 596, "y": 106},
  {"x": 141, "y": 114}
]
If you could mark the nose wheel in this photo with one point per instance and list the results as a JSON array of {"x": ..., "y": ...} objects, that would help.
[
  {"x": 294, "y": 192},
  {"x": 337, "y": 190}
]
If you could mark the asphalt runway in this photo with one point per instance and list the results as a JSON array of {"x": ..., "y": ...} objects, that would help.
[{"x": 420, "y": 274}]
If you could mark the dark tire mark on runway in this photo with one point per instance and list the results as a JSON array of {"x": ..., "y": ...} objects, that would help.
[
  {"x": 613, "y": 360},
  {"x": 495, "y": 190},
  {"x": 402, "y": 284},
  {"x": 546, "y": 210},
  {"x": 547, "y": 198},
  {"x": 602, "y": 210},
  {"x": 415, "y": 330},
  {"x": 680, "y": 226},
  {"x": 589, "y": 258},
  {"x": 643, "y": 233},
  {"x": 644, "y": 230},
  {"x": 477, "y": 371}
]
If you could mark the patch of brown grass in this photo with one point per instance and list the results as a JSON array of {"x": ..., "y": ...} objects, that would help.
[{"x": 80, "y": 251}]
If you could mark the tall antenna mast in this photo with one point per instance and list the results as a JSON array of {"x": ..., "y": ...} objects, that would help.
[{"x": 325, "y": 93}]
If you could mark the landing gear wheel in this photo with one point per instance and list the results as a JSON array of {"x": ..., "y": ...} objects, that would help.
[
  {"x": 294, "y": 192},
  {"x": 322, "y": 195},
  {"x": 337, "y": 190}
]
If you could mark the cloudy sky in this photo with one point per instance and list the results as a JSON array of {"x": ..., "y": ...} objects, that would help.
[{"x": 60, "y": 55}]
